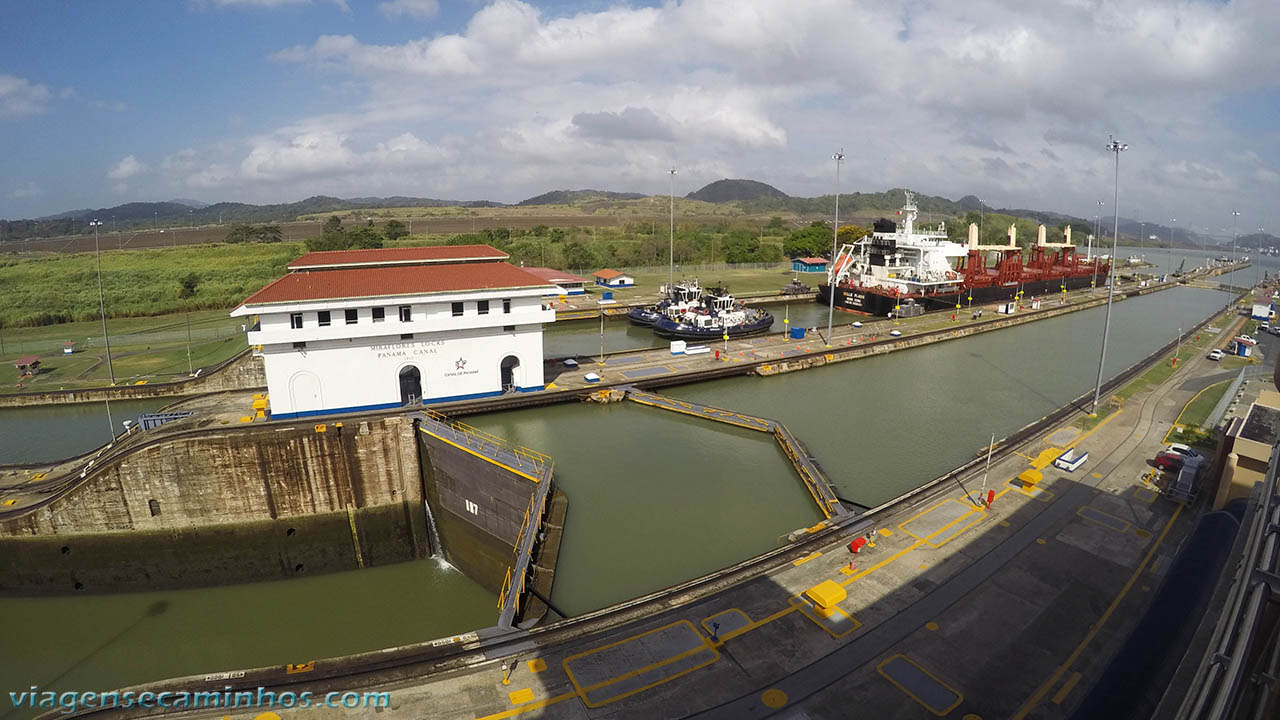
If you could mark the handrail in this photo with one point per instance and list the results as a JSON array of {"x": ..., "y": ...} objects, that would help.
[{"x": 485, "y": 438}]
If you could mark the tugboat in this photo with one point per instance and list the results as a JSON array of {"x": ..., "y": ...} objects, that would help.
[
  {"x": 879, "y": 273},
  {"x": 680, "y": 297},
  {"x": 718, "y": 314}
]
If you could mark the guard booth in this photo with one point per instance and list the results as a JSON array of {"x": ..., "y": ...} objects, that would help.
[{"x": 28, "y": 366}]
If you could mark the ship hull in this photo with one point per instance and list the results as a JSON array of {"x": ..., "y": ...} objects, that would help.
[
  {"x": 871, "y": 302},
  {"x": 684, "y": 331}
]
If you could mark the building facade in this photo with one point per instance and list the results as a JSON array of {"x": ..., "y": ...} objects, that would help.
[{"x": 369, "y": 329}]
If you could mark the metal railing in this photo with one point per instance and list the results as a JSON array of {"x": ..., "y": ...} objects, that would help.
[
  {"x": 489, "y": 444},
  {"x": 513, "y": 584}
]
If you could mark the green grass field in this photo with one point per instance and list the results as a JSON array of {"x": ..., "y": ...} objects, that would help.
[{"x": 145, "y": 348}]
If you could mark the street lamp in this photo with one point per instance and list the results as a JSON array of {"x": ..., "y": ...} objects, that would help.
[
  {"x": 982, "y": 214},
  {"x": 671, "y": 261},
  {"x": 1235, "y": 219},
  {"x": 106, "y": 339},
  {"x": 835, "y": 236},
  {"x": 1117, "y": 148}
]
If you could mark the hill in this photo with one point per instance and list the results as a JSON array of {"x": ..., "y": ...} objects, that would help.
[
  {"x": 569, "y": 197},
  {"x": 725, "y": 191}
]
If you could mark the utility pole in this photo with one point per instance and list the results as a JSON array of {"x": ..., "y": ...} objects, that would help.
[
  {"x": 835, "y": 237},
  {"x": 671, "y": 262},
  {"x": 1117, "y": 148},
  {"x": 101, "y": 308}
]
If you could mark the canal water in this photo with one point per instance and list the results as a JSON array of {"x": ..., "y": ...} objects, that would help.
[
  {"x": 54, "y": 432},
  {"x": 654, "y": 499}
]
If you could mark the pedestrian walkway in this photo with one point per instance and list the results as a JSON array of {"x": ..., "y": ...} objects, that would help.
[{"x": 815, "y": 481}]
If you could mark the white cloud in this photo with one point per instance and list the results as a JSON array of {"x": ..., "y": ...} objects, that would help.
[
  {"x": 20, "y": 98},
  {"x": 1007, "y": 100},
  {"x": 126, "y": 168},
  {"x": 420, "y": 9}
]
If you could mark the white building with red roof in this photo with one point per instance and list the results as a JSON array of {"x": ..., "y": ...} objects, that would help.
[
  {"x": 568, "y": 283},
  {"x": 353, "y": 330}
]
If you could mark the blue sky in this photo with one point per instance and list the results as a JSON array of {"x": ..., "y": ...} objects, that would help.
[{"x": 274, "y": 100}]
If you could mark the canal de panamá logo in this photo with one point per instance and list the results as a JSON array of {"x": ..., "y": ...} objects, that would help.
[{"x": 460, "y": 368}]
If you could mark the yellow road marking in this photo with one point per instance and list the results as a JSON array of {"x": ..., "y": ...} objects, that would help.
[
  {"x": 807, "y": 558},
  {"x": 520, "y": 697},
  {"x": 531, "y": 706},
  {"x": 1039, "y": 694},
  {"x": 1095, "y": 429},
  {"x": 1067, "y": 687}
]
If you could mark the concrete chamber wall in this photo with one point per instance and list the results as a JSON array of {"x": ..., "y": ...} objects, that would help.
[{"x": 226, "y": 506}]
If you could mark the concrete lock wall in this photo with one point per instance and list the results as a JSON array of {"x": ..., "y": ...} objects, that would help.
[
  {"x": 478, "y": 506},
  {"x": 218, "y": 507}
]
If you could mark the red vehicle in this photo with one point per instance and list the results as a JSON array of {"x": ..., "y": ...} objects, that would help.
[{"x": 1168, "y": 460}]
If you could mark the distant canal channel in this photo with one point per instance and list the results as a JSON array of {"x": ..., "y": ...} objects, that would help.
[{"x": 654, "y": 499}]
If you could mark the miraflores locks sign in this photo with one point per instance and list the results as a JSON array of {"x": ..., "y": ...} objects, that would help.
[{"x": 407, "y": 349}]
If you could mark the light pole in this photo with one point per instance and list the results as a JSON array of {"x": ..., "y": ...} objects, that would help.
[
  {"x": 1115, "y": 147},
  {"x": 1169, "y": 269},
  {"x": 1235, "y": 220},
  {"x": 982, "y": 214},
  {"x": 835, "y": 236},
  {"x": 671, "y": 259},
  {"x": 102, "y": 309}
]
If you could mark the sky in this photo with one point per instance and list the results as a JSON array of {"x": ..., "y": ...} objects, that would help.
[{"x": 265, "y": 101}]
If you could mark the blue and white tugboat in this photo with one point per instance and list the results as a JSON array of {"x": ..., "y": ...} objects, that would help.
[
  {"x": 681, "y": 296},
  {"x": 717, "y": 315}
]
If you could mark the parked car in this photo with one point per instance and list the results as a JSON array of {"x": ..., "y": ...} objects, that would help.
[
  {"x": 1182, "y": 450},
  {"x": 1170, "y": 461},
  {"x": 1249, "y": 339},
  {"x": 1216, "y": 354}
]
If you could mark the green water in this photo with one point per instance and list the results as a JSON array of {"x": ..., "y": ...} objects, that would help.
[
  {"x": 53, "y": 432},
  {"x": 100, "y": 642},
  {"x": 654, "y": 499}
]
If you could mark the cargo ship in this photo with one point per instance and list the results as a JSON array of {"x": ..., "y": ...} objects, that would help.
[{"x": 880, "y": 273}]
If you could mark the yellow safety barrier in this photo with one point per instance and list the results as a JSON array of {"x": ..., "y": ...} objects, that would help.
[
  {"x": 825, "y": 596},
  {"x": 467, "y": 432}
]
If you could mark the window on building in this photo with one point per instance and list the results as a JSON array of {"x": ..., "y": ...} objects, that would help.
[
  {"x": 457, "y": 309},
  {"x": 353, "y": 316},
  {"x": 506, "y": 305},
  {"x": 482, "y": 307},
  {"x": 508, "y": 328},
  {"x": 379, "y": 314},
  {"x": 406, "y": 336},
  {"x": 323, "y": 317},
  {"x": 299, "y": 346},
  {"x": 295, "y": 321},
  {"x": 405, "y": 313}
]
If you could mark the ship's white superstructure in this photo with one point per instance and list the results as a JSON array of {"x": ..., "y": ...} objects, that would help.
[{"x": 899, "y": 259}]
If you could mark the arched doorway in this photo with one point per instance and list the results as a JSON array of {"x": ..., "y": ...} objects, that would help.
[
  {"x": 410, "y": 385},
  {"x": 304, "y": 392},
  {"x": 510, "y": 373}
]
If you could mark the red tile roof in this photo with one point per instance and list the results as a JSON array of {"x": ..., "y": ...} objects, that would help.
[
  {"x": 553, "y": 275},
  {"x": 352, "y": 283},
  {"x": 398, "y": 256},
  {"x": 607, "y": 274},
  {"x": 813, "y": 260}
]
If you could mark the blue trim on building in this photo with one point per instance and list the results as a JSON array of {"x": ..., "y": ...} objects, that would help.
[
  {"x": 454, "y": 398},
  {"x": 386, "y": 406},
  {"x": 333, "y": 411}
]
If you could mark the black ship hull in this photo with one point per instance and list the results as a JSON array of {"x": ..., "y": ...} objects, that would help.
[
  {"x": 867, "y": 302},
  {"x": 685, "y": 331}
]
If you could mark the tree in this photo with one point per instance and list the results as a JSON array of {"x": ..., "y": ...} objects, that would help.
[
  {"x": 851, "y": 233},
  {"x": 814, "y": 240},
  {"x": 740, "y": 246},
  {"x": 365, "y": 237},
  {"x": 187, "y": 285},
  {"x": 394, "y": 230},
  {"x": 240, "y": 232},
  {"x": 332, "y": 236},
  {"x": 775, "y": 223},
  {"x": 268, "y": 234},
  {"x": 578, "y": 256}
]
